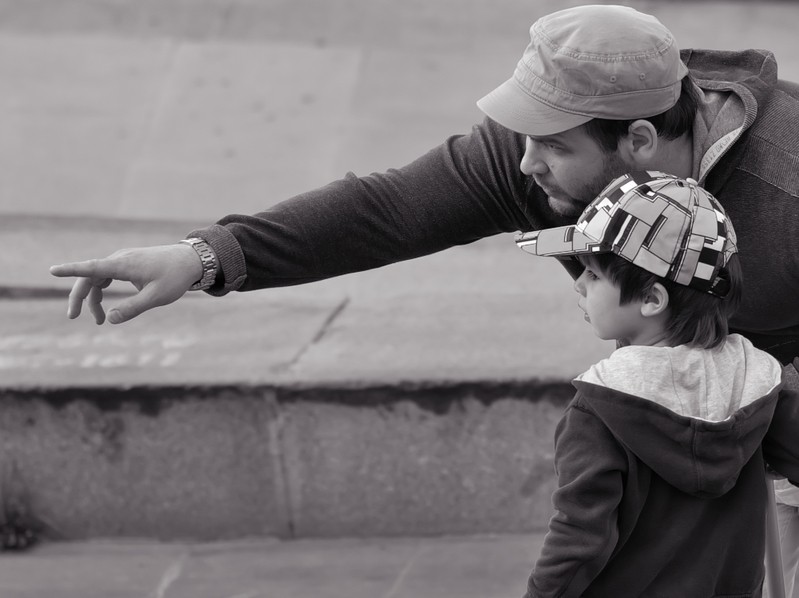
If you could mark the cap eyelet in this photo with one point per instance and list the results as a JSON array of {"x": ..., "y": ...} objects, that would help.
[
  {"x": 613, "y": 78},
  {"x": 642, "y": 76}
]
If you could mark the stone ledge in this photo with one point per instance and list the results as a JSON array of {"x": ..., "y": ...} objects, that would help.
[{"x": 228, "y": 462}]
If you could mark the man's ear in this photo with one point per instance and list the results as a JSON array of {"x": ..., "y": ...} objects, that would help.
[
  {"x": 656, "y": 302},
  {"x": 640, "y": 145}
]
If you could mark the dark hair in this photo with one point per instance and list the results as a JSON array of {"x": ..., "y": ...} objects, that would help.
[
  {"x": 695, "y": 317},
  {"x": 670, "y": 124}
]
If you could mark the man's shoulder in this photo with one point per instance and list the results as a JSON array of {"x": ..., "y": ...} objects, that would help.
[
  {"x": 768, "y": 149},
  {"x": 752, "y": 75},
  {"x": 732, "y": 66}
]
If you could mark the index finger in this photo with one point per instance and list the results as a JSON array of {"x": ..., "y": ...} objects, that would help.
[{"x": 94, "y": 269}]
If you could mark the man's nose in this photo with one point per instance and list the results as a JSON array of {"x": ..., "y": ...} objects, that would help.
[{"x": 531, "y": 160}]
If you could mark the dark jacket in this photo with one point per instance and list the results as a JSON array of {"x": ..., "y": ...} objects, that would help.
[
  {"x": 746, "y": 146},
  {"x": 661, "y": 474}
]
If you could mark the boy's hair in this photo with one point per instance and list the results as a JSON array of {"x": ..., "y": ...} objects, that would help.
[
  {"x": 695, "y": 317},
  {"x": 650, "y": 227},
  {"x": 671, "y": 124}
]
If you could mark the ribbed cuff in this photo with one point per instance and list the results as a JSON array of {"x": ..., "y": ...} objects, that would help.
[{"x": 232, "y": 266}]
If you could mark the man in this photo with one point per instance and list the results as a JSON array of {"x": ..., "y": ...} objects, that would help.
[{"x": 599, "y": 91}]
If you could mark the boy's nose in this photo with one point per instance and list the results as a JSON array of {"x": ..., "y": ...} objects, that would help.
[{"x": 578, "y": 284}]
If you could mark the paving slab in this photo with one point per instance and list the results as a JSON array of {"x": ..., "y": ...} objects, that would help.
[
  {"x": 481, "y": 312},
  {"x": 421, "y": 462},
  {"x": 90, "y": 570},
  {"x": 156, "y": 464},
  {"x": 271, "y": 98},
  {"x": 468, "y": 567}
]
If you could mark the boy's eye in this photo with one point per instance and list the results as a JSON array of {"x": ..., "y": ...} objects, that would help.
[{"x": 590, "y": 274}]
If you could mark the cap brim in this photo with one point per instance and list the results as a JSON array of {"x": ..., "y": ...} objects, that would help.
[
  {"x": 565, "y": 240},
  {"x": 518, "y": 111}
]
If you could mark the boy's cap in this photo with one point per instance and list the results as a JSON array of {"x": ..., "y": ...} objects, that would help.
[
  {"x": 587, "y": 62},
  {"x": 668, "y": 226}
]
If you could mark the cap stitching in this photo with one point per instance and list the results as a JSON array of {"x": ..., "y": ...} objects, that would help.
[
  {"x": 607, "y": 58},
  {"x": 661, "y": 48},
  {"x": 564, "y": 92}
]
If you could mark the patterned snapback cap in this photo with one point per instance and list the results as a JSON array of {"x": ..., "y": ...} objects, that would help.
[{"x": 659, "y": 222}]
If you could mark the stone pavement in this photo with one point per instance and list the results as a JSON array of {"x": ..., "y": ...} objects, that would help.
[{"x": 466, "y": 567}]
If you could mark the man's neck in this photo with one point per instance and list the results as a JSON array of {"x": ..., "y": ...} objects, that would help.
[{"x": 675, "y": 156}]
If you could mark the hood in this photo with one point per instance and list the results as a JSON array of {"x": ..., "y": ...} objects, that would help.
[
  {"x": 731, "y": 84},
  {"x": 694, "y": 416}
]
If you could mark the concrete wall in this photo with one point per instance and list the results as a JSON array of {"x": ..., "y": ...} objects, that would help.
[{"x": 229, "y": 462}]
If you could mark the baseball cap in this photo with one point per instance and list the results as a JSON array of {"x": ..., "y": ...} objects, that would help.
[
  {"x": 666, "y": 225},
  {"x": 595, "y": 61}
]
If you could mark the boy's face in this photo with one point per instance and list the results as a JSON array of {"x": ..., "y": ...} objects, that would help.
[{"x": 600, "y": 299}]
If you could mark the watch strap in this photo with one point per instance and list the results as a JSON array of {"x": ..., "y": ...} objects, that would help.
[{"x": 209, "y": 262}]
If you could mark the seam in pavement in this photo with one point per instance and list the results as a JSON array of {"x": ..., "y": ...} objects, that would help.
[
  {"x": 172, "y": 574},
  {"x": 225, "y": 15},
  {"x": 320, "y": 334},
  {"x": 397, "y": 585},
  {"x": 283, "y": 488}
]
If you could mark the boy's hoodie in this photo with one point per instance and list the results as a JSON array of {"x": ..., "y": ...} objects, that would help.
[{"x": 660, "y": 460}]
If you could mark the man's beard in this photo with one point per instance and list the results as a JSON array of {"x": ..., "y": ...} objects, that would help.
[{"x": 613, "y": 166}]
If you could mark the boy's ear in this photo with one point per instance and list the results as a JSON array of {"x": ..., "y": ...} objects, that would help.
[
  {"x": 656, "y": 302},
  {"x": 640, "y": 144}
]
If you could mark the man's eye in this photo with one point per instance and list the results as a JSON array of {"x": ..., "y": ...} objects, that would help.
[{"x": 553, "y": 147}]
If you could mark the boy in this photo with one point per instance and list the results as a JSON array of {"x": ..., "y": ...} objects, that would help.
[{"x": 661, "y": 454}]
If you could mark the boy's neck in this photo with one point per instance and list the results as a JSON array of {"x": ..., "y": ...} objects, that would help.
[{"x": 653, "y": 334}]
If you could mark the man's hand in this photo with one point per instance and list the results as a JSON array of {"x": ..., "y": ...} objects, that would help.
[{"x": 162, "y": 274}]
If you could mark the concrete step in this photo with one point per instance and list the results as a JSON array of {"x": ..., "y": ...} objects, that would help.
[
  {"x": 216, "y": 462},
  {"x": 415, "y": 399}
]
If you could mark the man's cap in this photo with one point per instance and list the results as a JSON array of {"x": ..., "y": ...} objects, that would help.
[
  {"x": 586, "y": 62},
  {"x": 666, "y": 225}
]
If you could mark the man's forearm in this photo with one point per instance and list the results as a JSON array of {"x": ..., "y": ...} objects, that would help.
[{"x": 358, "y": 223}]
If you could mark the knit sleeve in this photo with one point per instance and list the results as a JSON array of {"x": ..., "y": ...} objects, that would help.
[
  {"x": 467, "y": 188},
  {"x": 781, "y": 443},
  {"x": 583, "y": 532}
]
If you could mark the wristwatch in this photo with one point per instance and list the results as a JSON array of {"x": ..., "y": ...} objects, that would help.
[{"x": 209, "y": 261}]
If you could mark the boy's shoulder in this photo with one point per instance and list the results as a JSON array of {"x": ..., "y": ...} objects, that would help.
[
  {"x": 688, "y": 380},
  {"x": 736, "y": 350}
]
